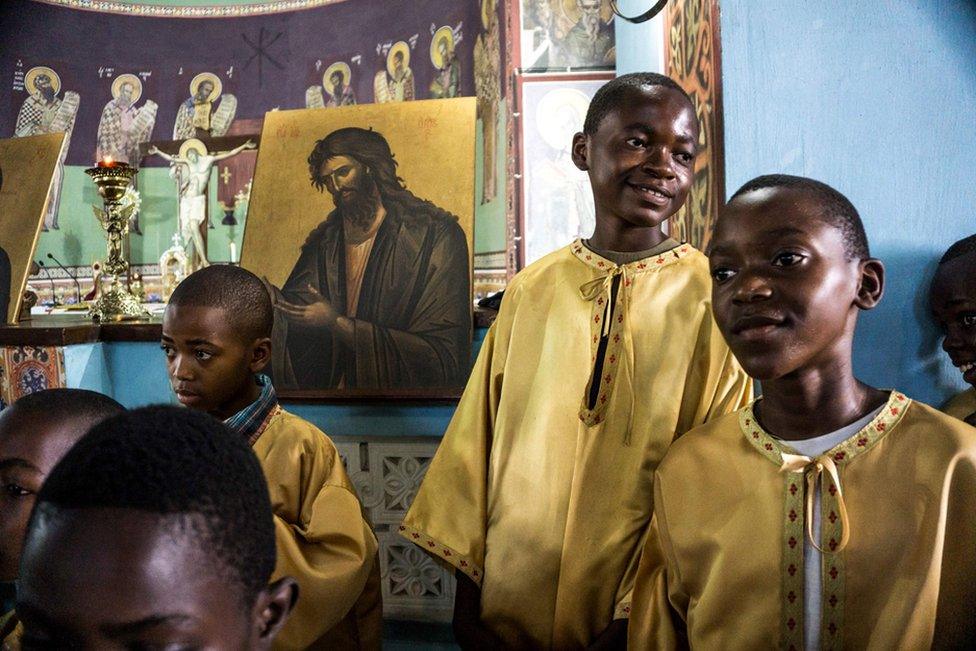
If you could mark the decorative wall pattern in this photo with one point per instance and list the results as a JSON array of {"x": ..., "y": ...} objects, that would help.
[
  {"x": 29, "y": 369},
  {"x": 694, "y": 60},
  {"x": 209, "y": 11},
  {"x": 387, "y": 473}
]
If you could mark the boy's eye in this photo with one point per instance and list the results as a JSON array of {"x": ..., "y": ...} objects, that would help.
[
  {"x": 685, "y": 157},
  {"x": 788, "y": 259},
  {"x": 13, "y": 490},
  {"x": 167, "y": 350},
  {"x": 635, "y": 142},
  {"x": 721, "y": 274},
  {"x": 203, "y": 355},
  {"x": 968, "y": 320}
]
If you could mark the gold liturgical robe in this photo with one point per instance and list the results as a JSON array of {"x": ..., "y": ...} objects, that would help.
[
  {"x": 723, "y": 565},
  {"x": 323, "y": 540},
  {"x": 539, "y": 495},
  {"x": 962, "y": 405}
]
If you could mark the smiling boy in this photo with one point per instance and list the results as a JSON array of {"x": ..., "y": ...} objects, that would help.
[
  {"x": 217, "y": 340},
  {"x": 953, "y": 301},
  {"x": 154, "y": 532},
  {"x": 35, "y": 432},
  {"x": 602, "y": 353},
  {"x": 829, "y": 513}
]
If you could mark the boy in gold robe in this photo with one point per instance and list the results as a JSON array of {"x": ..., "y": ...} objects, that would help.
[
  {"x": 35, "y": 433},
  {"x": 827, "y": 514},
  {"x": 216, "y": 337},
  {"x": 602, "y": 353},
  {"x": 953, "y": 300}
]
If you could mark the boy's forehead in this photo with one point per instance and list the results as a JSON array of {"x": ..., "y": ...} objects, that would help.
[
  {"x": 199, "y": 321},
  {"x": 769, "y": 214},
  {"x": 955, "y": 279},
  {"x": 41, "y": 441},
  {"x": 647, "y": 103}
]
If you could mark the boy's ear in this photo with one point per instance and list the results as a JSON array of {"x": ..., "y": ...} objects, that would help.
[
  {"x": 871, "y": 288},
  {"x": 579, "y": 152},
  {"x": 260, "y": 354},
  {"x": 272, "y": 609}
]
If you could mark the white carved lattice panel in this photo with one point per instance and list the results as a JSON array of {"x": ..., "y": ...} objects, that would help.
[{"x": 415, "y": 586}]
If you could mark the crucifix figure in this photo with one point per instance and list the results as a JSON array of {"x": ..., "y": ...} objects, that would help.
[{"x": 191, "y": 171}]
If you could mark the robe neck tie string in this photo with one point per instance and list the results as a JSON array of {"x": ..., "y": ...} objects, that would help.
[
  {"x": 814, "y": 469},
  {"x": 593, "y": 289}
]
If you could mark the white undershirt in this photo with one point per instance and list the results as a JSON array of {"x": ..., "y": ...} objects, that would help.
[{"x": 812, "y": 579}]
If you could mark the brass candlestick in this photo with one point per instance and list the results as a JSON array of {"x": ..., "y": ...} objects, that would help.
[{"x": 112, "y": 180}]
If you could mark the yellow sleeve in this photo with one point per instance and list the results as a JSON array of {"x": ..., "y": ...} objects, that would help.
[
  {"x": 658, "y": 611},
  {"x": 448, "y": 518},
  {"x": 716, "y": 382},
  {"x": 323, "y": 541}
]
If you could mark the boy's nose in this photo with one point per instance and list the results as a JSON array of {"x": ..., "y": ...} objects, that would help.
[
  {"x": 751, "y": 287},
  {"x": 181, "y": 369},
  {"x": 658, "y": 163}
]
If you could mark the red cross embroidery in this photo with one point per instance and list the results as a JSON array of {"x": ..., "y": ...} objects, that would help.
[
  {"x": 793, "y": 489},
  {"x": 832, "y": 517},
  {"x": 861, "y": 442},
  {"x": 599, "y": 264},
  {"x": 603, "y": 398},
  {"x": 833, "y": 573},
  {"x": 613, "y": 358},
  {"x": 791, "y": 569},
  {"x": 791, "y": 623},
  {"x": 464, "y": 563},
  {"x": 880, "y": 427},
  {"x": 791, "y": 542},
  {"x": 791, "y": 597},
  {"x": 769, "y": 446},
  {"x": 792, "y": 515},
  {"x": 839, "y": 456},
  {"x": 832, "y": 628},
  {"x": 832, "y": 490},
  {"x": 447, "y": 552},
  {"x": 833, "y": 601},
  {"x": 596, "y": 319},
  {"x": 402, "y": 528},
  {"x": 894, "y": 411},
  {"x": 607, "y": 378}
]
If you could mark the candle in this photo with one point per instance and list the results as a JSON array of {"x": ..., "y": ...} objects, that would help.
[
  {"x": 233, "y": 252},
  {"x": 107, "y": 162}
]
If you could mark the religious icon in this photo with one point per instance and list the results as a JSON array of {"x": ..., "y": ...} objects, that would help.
[
  {"x": 337, "y": 83},
  {"x": 488, "y": 88},
  {"x": 395, "y": 83},
  {"x": 201, "y": 116},
  {"x": 28, "y": 166},
  {"x": 44, "y": 112},
  {"x": 366, "y": 248},
  {"x": 122, "y": 126},
  {"x": 567, "y": 34},
  {"x": 557, "y": 204},
  {"x": 191, "y": 171},
  {"x": 446, "y": 82}
]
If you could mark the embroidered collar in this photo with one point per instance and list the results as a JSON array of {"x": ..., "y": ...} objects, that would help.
[
  {"x": 843, "y": 452},
  {"x": 598, "y": 262},
  {"x": 251, "y": 421}
]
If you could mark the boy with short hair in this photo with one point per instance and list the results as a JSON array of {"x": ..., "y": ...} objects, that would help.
[
  {"x": 829, "y": 513},
  {"x": 35, "y": 432},
  {"x": 216, "y": 336},
  {"x": 602, "y": 353},
  {"x": 154, "y": 531},
  {"x": 953, "y": 301}
]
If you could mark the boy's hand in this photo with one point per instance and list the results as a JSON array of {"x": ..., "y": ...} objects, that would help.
[{"x": 317, "y": 314}]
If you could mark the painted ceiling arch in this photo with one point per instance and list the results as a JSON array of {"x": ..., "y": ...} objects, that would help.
[{"x": 191, "y": 8}]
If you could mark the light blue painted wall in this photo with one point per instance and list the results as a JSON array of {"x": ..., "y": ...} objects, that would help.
[{"x": 875, "y": 98}]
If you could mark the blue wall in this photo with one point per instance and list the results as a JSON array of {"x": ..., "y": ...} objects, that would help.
[{"x": 876, "y": 98}]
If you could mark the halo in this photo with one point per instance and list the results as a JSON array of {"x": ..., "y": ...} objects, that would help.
[
  {"x": 571, "y": 11},
  {"x": 435, "y": 55},
  {"x": 549, "y": 127},
  {"x": 399, "y": 46},
  {"x": 132, "y": 79},
  {"x": 338, "y": 66},
  {"x": 41, "y": 70},
  {"x": 194, "y": 144},
  {"x": 206, "y": 76}
]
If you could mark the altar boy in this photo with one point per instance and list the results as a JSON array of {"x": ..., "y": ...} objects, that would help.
[
  {"x": 216, "y": 337},
  {"x": 829, "y": 513},
  {"x": 603, "y": 353}
]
